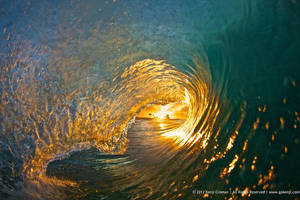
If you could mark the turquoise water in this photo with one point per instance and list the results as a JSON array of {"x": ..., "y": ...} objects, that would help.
[{"x": 75, "y": 75}]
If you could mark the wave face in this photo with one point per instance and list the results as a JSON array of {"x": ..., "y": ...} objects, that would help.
[{"x": 76, "y": 76}]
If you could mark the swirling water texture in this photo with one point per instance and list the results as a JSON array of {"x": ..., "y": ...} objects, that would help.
[{"x": 74, "y": 74}]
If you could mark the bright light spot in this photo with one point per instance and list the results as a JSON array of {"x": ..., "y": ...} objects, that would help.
[
  {"x": 187, "y": 96},
  {"x": 163, "y": 113},
  {"x": 169, "y": 111}
]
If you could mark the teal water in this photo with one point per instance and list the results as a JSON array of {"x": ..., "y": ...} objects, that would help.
[{"x": 75, "y": 74}]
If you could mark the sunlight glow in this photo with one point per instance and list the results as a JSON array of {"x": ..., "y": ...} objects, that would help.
[
  {"x": 163, "y": 113},
  {"x": 168, "y": 111}
]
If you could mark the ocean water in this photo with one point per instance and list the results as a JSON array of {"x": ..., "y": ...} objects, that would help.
[{"x": 149, "y": 99}]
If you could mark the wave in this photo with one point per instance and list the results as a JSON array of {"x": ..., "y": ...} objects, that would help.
[
  {"x": 50, "y": 125},
  {"x": 74, "y": 85}
]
